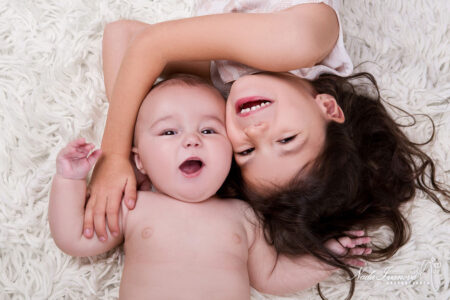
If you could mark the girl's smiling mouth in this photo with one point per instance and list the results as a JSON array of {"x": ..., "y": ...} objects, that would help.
[{"x": 247, "y": 106}]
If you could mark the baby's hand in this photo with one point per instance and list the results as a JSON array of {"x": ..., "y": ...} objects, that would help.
[
  {"x": 347, "y": 247},
  {"x": 73, "y": 161}
]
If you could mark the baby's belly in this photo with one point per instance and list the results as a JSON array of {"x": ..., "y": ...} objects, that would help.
[
  {"x": 183, "y": 281},
  {"x": 175, "y": 250}
]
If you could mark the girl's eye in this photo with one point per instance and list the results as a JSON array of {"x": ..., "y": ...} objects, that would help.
[
  {"x": 287, "y": 140},
  {"x": 246, "y": 152},
  {"x": 168, "y": 132},
  {"x": 208, "y": 131}
]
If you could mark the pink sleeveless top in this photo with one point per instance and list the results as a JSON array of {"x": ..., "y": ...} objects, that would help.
[{"x": 224, "y": 72}]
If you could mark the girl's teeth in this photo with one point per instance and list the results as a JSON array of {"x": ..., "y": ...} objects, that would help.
[{"x": 253, "y": 108}]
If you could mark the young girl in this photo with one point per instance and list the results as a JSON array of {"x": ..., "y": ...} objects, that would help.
[{"x": 317, "y": 156}]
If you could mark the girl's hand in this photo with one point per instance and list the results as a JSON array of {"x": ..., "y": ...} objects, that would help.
[
  {"x": 73, "y": 161},
  {"x": 348, "y": 247},
  {"x": 112, "y": 179}
]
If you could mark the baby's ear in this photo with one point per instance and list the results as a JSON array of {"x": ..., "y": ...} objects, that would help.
[
  {"x": 137, "y": 160},
  {"x": 330, "y": 108}
]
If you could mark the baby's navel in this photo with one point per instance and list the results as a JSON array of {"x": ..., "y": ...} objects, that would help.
[
  {"x": 236, "y": 238},
  {"x": 146, "y": 232}
]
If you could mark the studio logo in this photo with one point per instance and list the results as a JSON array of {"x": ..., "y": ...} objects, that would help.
[{"x": 428, "y": 272}]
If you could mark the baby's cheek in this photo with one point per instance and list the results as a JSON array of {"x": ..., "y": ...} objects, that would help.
[{"x": 226, "y": 154}]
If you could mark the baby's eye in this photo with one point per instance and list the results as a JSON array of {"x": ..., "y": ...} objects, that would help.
[
  {"x": 208, "y": 131},
  {"x": 245, "y": 152},
  {"x": 287, "y": 140},
  {"x": 168, "y": 132}
]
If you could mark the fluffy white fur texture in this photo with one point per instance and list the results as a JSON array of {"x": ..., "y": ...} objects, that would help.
[{"x": 51, "y": 91}]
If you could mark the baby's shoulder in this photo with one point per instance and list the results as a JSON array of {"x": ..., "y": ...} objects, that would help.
[
  {"x": 233, "y": 203},
  {"x": 248, "y": 218},
  {"x": 244, "y": 210},
  {"x": 143, "y": 200},
  {"x": 145, "y": 196}
]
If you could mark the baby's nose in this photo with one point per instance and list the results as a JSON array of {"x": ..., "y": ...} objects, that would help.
[{"x": 192, "y": 140}]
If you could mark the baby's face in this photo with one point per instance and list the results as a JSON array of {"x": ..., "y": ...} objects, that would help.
[{"x": 182, "y": 143}]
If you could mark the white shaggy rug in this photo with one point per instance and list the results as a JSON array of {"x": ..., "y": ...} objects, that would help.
[{"x": 51, "y": 91}]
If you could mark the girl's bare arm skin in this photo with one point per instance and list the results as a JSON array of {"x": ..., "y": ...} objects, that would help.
[
  {"x": 118, "y": 36},
  {"x": 300, "y": 36}
]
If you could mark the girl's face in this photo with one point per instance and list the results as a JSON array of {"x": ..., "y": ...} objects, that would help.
[{"x": 276, "y": 125}]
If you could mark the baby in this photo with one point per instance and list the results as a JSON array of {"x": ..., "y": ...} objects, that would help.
[{"x": 182, "y": 241}]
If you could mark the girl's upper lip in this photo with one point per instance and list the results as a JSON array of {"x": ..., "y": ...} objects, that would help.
[{"x": 242, "y": 101}]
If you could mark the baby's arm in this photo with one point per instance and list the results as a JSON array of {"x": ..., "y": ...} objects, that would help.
[
  {"x": 285, "y": 274},
  {"x": 67, "y": 200}
]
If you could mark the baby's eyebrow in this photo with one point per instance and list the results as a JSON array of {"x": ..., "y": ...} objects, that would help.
[
  {"x": 166, "y": 118},
  {"x": 215, "y": 118}
]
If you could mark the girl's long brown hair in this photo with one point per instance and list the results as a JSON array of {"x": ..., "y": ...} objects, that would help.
[{"x": 367, "y": 169}]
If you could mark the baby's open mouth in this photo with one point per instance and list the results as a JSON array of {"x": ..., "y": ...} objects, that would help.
[{"x": 191, "y": 167}]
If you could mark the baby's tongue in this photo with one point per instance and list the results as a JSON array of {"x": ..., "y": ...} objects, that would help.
[{"x": 190, "y": 166}]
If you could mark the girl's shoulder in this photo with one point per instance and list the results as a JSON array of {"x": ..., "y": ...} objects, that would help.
[{"x": 205, "y": 7}]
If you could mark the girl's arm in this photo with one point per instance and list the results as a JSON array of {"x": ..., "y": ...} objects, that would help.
[
  {"x": 300, "y": 36},
  {"x": 67, "y": 199}
]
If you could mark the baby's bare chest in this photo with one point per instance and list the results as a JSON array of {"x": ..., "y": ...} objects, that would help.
[{"x": 209, "y": 234}]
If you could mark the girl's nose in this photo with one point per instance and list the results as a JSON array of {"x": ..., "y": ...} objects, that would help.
[
  {"x": 255, "y": 131},
  {"x": 192, "y": 140}
]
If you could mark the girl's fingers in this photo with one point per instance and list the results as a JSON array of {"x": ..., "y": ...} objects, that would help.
[{"x": 88, "y": 225}]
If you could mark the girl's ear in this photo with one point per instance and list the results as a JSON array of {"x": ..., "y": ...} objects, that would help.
[
  {"x": 137, "y": 160},
  {"x": 330, "y": 108}
]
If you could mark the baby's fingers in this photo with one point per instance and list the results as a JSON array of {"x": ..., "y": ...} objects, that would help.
[
  {"x": 76, "y": 144},
  {"x": 85, "y": 148},
  {"x": 354, "y": 232},
  {"x": 94, "y": 156},
  {"x": 348, "y": 242},
  {"x": 362, "y": 240},
  {"x": 354, "y": 262},
  {"x": 77, "y": 149},
  {"x": 360, "y": 251}
]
